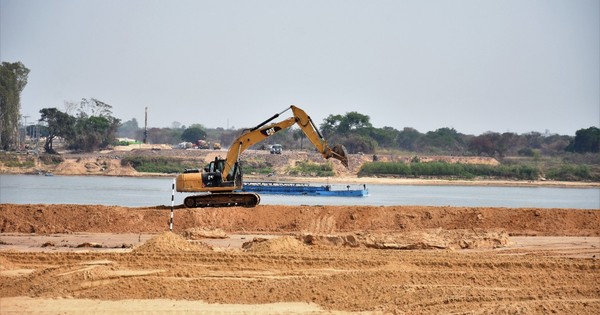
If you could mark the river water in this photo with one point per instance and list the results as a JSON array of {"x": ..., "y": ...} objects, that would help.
[{"x": 132, "y": 191}]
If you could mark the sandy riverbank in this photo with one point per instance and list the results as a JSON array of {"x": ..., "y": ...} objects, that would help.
[{"x": 108, "y": 163}]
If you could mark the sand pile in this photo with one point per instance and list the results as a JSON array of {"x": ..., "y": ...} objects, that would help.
[
  {"x": 71, "y": 167},
  {"x": 439, "y": 239},
  {"x": 169, "y": 242},
  {"x": 200, "y": 233},
  {"x": 275, "y": 245},
  {"x": 423, "y": 239}
]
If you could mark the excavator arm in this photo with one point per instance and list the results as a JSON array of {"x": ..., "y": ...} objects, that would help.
[
  {"x": 222, "y": 178},
  {"x": 261, "y": 132}
]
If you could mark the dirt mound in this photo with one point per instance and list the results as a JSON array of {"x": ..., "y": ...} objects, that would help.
[
  {"x": 423, "y": 239},
  {"x": 440, "y": 239},
  {"x": 200, "y": 233},
  {"x": 93, "y": 166},
  {"x": 169, "y": 242},
  {"x": 277, "y": 245}
]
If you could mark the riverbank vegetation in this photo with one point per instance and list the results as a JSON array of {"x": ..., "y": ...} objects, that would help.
[
  {"x": 510, "y": 169},
  {"x": 450, "y": 170},
  {"x": 255, "y": 166},
  {"x": 16, "y": 160},
  {"x": 151, "y": 164},
  {"x": 304, "y": 168}
]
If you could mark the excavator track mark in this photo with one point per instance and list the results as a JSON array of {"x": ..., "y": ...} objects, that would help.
[{"x": 217, "y": 200}]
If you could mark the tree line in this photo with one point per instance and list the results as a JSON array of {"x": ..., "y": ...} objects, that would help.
[
  {"x": 358, "y": 135},
  {"x": 355, "y": 131}
]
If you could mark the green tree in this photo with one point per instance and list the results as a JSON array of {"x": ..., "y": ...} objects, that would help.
[
  {"x": 193, "y": 134},
  {"x": 586, "y": 140},
  {"x": 342, "y": 124},
  {"x": 330, "y": 125},
  {"x": 408, "y": 138},
  {"x": 446, "y": 140},
  {"x": 353, "y": 121},
  {"x": 59, "y": 124},
  {"x": 13, "y": 79},
  {"x": 93, "y": 133},
  {"x": 95, "y": 127},
  {"x": 507, "y": 143},
  {"x": 353, "y": 130},
  {"x": 385, "y": 137},
  {"x": 355, "y": 143}
]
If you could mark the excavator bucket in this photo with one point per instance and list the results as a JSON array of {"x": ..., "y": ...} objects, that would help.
[{"x": 339, "y": 153}]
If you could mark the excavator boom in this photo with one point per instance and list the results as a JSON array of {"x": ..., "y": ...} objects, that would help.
[
  {"x": 261, "y": 132},
  {"x": 223, "y": 176}
]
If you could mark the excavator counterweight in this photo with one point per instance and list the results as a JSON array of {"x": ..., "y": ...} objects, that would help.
[{"x": 221, "y": 180}]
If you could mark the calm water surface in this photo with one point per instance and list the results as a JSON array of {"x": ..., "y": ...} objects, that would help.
[{"x": 128, "y": 191}]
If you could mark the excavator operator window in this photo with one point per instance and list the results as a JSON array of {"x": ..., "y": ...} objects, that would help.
[
  {"x": 233, "y": 173},
  {"x": 219, "y": 165}
]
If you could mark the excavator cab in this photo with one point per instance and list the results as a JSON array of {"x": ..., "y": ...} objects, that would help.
[{"x": 213, "y": 175}]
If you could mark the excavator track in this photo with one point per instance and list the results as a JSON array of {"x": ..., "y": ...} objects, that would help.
[{"x": 234, "y": 199}]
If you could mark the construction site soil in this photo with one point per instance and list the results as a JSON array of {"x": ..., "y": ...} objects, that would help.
[{"x": 82, "y": 259}]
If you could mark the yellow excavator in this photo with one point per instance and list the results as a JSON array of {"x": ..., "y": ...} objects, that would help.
[{"x": 221, "y": 180}]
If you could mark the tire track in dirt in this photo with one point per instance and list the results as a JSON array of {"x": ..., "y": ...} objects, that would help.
[{"x": 346, "y": 279}]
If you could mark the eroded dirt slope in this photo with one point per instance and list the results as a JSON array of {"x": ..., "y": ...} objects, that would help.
[{"x": 315, "y": 219}]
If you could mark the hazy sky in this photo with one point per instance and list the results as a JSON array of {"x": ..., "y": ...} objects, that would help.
[{"x": 476, "y": 66}]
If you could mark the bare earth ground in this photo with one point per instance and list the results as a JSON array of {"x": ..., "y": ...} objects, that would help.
[{"x": 89, "y": 259}]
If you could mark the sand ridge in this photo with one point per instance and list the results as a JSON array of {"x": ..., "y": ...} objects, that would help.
[{"x": 48, "y": 219}]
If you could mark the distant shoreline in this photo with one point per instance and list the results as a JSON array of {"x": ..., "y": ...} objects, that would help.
[{"x": 109, "y": 163}]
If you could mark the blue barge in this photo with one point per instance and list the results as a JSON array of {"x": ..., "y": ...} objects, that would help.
[{"x": 281, "y": 188}]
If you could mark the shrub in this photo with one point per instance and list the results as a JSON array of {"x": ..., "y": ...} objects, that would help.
[
  {"x": 51, "y": 159},
  {"x": 454, "y": 170},
  {"x": 570, "y": 172},
  {"x": 157, "y": 164},
  {"x": 260, "y": 167},
  {"x": 311, "y": 169},
  {"x": 16, "y": 160}
]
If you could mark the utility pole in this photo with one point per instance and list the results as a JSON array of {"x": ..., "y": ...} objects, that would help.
[{"x": 146, "y": 126}]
